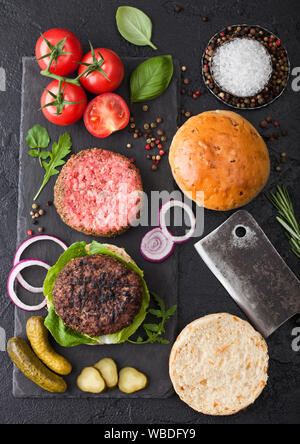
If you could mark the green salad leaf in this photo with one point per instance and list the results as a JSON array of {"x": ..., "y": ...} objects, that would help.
[
  {"x": 151, "y": 78},
  {"x": 135, "y": 26},
  {"x": 68, "y": 337}
]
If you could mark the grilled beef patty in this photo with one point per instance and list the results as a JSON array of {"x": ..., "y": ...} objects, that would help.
[{"x": 97, "y": 295}]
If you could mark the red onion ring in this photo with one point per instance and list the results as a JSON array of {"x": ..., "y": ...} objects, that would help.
[
  {"x": 21, "y": 250},
  {"x": 11, "y": 280},
  {"x": 156, "y": 247},
  {"x": 162, "y": 221}
]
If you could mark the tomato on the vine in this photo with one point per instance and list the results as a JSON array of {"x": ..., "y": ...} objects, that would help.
[
  {"x": 106, "y": 73},
  {"x": 65, "y": 104},
  {"x": 106, "y": 114},
  {"x": 63, "y": 47}
]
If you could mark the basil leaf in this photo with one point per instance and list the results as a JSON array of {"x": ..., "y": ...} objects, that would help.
[
  {"x": 38, "y": 137},
  {"x": 151, "y": 78},
  {"x": 135, "y": 26}
]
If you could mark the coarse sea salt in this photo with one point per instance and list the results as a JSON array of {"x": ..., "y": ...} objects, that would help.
[{"x": 242, "y": 67}]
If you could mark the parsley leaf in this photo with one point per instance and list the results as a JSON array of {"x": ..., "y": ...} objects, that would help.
[{"x": 57, "y": 158}]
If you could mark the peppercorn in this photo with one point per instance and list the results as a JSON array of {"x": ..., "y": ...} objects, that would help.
[
  {"x": 31, "y": 213},
  {"x": 205, "y": 19},
  {"x": 145, "y": 108},
  {"x": 30, "y": 232},
  {"x": 264, "y": 124},
  {"x": 149, "y": 157},
  {"x": 183, "y": 68},
  {"x": 146, "y": 126},
  {"x": 132, "y": 125},
  {"x": 40, "y": 229},
  {"x": 276, "y": 124},
  {"x": 35, "y": 206},
  {"x": 136, "y": 136},
  {"x": 41, "y": 212},
  {"x": 159, "y": 146},
  {"x": 153, "y": 125},
  {"x": 183, "y": 91},
  {"x": 160, "y": 132},
  {"x": 163, "y": 139},
  {"x": 131, "y": 119},
  {"x": 147, "y": 146},
  {"x": 35, "y": 222},
  {"x": 36, "y": 215},
  {"x": 186, "y": 81},
  {"x": 158, "y": 157},
  {"x": 159, "y": 120},
  {"x": 178, "y": 8},
  {"x": 128, "y": 145},
  {"x": 187, "y": 114},
  {"x": 162, "y": 153},
  {"x": 283, "y": 154},
  {"x": 269, "y": 119},
  {"x": 154, "y": 167},
  {"x": 278, "y": 168},
  {"x": 49, "y": 203}
]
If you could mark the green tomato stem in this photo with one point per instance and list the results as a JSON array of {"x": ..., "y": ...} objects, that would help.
[{"x": 59, "y": 78}]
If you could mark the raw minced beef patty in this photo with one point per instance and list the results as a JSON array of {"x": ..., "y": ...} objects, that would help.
[
  {"x": 97, "y": 295},
  {"x": 98, "y": 192}
]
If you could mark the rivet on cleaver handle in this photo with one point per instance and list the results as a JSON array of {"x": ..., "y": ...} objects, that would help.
[{"x": 252, "y": 272}]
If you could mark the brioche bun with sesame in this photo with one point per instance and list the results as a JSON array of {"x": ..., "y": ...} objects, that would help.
[
  {"x": 221, "y": 154},
  {"x": 219, "y": 364}
]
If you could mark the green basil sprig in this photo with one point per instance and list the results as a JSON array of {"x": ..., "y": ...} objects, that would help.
[
  {"x": 38, "y": 139},
  {"x": 135, "y": 26},
  {"x": 151, "y": 78}
]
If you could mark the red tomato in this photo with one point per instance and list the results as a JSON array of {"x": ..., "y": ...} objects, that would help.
[
  {"x": 65, "y": 63},
  {"x": 70, "y": 113},
  {"x": 113, "y": 67},
  {"x": 106, "y": 114}
]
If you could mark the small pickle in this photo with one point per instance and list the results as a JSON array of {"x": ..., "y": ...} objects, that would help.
[
  {"x": 90, "y": 381},
  {"x": 109, "y": 372},
  {"x": 131, "y": 380},
  {"x": 38, "y": 337},
  {"x": 30, "y": 365}
]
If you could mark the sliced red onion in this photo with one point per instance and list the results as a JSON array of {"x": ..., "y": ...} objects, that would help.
[
  {"x": 11, "y": 280},
  {"x": 156, "y": 247},
  {"x": 162, "y": 221},
  {"x": 21, "y": 250}
]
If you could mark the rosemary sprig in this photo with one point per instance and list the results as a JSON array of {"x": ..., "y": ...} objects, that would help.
[{"x": 282, "y": 201}]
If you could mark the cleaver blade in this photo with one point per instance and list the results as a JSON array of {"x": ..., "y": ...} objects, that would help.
[{"x": 246, "y": 263}]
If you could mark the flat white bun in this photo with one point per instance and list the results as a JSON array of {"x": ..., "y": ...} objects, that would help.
[{"x": 218, "y": 364}]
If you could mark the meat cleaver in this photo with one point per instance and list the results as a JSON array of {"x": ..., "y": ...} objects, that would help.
[{"x": 256, "y": 277}]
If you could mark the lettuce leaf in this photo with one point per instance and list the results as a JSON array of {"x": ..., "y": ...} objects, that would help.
[{"x": 67, "y": 337}]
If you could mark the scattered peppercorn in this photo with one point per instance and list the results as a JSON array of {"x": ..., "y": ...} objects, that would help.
[
  {"x": 186, "y": 81},
  {"x": 40, "y": 229},
  {"x": 128, "y": 145},
  {"x": 278, "y": 168},
  {"x": 269, "y": 119},
  {"x": 276, "y": 124},
  {"x": 41, "y": 212},
  {"x": 264, "y": 124},
  {"x": 205, "y": 19},
  {"x": 183, "y": 68},
  {"x": 30, "y": 232},
  {"x": 187, "y": 114},
  {"x": 154, "y": 167},
  {"x": 145, "y": 108},
  {"x": 160, "y": 132},
  {"x": 146, "y": 126},
  {"x": 178, "y": 8},
  {"x": 35, "y": 206},
  {"x": 159, "y": 120}
]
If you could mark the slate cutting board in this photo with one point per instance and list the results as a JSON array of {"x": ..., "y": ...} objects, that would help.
[{"x": 161, "y": 278}]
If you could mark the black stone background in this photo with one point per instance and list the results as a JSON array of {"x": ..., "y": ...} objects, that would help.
[{"x": 185, "y": 36}]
